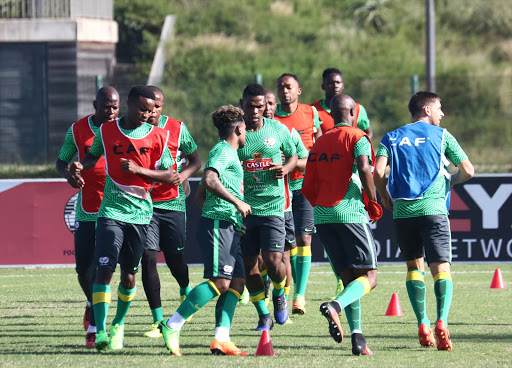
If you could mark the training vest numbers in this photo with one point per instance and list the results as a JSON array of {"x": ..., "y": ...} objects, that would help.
[
  {"x": 167, "y": 191},
  {"x": 303, "y": 120},
  {"x": 92, "y": 192},
  {"x": 329, "y": 167},
  {"x": 145, "y": 152},
  {"x": 416, "y": 159}
]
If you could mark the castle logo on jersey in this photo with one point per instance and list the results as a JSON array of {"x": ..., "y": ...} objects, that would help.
[{"x": 258, "y": 163}]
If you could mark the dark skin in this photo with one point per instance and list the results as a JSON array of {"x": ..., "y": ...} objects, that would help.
[
  {"x": 343, "y": 110},
  {"x": 139, "y": 111},
  {"x": 211, "y": 182},
  {"x": 193, "y": 160},
  {"x": 106, "y": 107},
  {"x": 254, "y": 107},
  {"x": 288, "y": 92},
  {"x": 332, "y": 86}
]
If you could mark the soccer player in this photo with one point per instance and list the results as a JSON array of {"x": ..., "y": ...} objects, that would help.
[
  {"x": 264, "y": 173},
  {"x": 78, "y": 140},
  {"x": 417, "y": 192},
  {"x": 337, "y": 171},
  {"x": 167, "y": 229},
  {"x": 290, "y": 249},
  {"x": 304, "y": 119},
  {"x": 136, "y": 155},
  {"x": 332, "y": 84},
  {"x": 220, "y": 195}
]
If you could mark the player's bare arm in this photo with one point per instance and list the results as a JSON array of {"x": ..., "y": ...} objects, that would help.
[
  {"x": 280, "y": 171},
  {"x": 365, "y": 174},
  {"x": 192, "y": 166},
  {"x": 379, "y": 177},
  {"x": 214, "y": 185},
  {"x": 63, "y": 169},
  {"x": 466, "y": 172},
  {"x": 161, "y": 176},
  {"x": 369, "y": 131},
  {"x": 200, "y": 195}
]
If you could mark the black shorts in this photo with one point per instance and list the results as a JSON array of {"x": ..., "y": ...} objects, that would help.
[
  {"x": 85, "y": 237},
  {"x": 119, "y": 242},
  {"x": 425, "y": 235},
  {"x": 302, "y": 214},
  {"x": 289, "y": 228},
  {"x": 220, "y": 245},
  {"x": 167, "y": 231},
  {"x": 349, "y": 245},
  {"x": 265, "y": 233}
]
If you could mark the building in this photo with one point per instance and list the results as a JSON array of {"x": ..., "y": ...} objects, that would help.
[{"x": 51, "y": 55}]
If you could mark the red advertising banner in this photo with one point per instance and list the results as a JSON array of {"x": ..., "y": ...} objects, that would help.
[
  {"x": 36, "y": 222},
  {"x": 37, "y": 218}
]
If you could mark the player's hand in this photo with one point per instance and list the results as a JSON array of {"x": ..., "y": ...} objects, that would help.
[
  {"x": 278, "y": 170},
  {"x": 243, "y": 208},
  {"x": 74, "y": 178},
  {"x": 387, "y": 203},
  {"x": 176, "y": 178},
  {"x": 129, "y": 167},
  {"x": 76, "y": 181}
]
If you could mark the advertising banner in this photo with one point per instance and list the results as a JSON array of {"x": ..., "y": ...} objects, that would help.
[{"x": 37, "y": 220}]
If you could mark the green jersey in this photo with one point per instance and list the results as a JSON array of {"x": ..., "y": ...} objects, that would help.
[
  {"x": 117, "y": 204},
  {"x": 263, "y": 192},
  {"x": 350, "y": 210},
  {"x": 67, "y": 152},
  {"x": 224, "y": 160},
  {"x": 186, "y": 146},
  {"x": 434, "y": 199}
]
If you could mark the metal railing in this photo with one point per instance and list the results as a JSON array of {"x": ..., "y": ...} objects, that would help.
[{"x": 99, "y": 9}]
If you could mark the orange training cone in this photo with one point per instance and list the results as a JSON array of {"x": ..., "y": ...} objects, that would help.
[
  {"x": 265, "y": 347},
  {"x": 497, "y": 280},
  {"x": 394, "y": 307}
]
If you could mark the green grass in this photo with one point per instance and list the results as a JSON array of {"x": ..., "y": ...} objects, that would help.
[{"x": 41, "y": 325}]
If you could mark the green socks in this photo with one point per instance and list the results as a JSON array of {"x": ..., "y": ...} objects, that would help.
[
  {"x": 278, "y": 287},
  {"x": 353, "y": 313},
  {"x": 415, "y": 284},
  {"x": 158, "y": 314},
  {"x": 197, "y": 298},
  {"x": 100, "y": 303},
  {"x": 354, "y": 291},
  {"x": 303, "y": 266},
  {"x": 185, "y": 291},
  {"x": 124, "y": 299},
  {"x": 225, "y": 308},
  {"x": 258, "y": 299},
  {"x": 443, "y": 289},
  {"x": 293, "y": 263}
]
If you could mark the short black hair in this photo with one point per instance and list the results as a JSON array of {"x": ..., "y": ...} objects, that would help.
[
  {"x": 289, "y": 75},
  {"x": 156, "y": 89},
  {"x": 330, "y": 71},
  {"x": 141, "y": 91},
  {"x": 421, "y": 99},
  {"x": 253, "y": 89},
  {"x": 226, "y": 118}
]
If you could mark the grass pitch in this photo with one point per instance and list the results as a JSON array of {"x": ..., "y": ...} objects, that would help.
[{"x": 41, "y": 325}]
